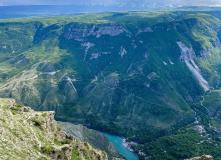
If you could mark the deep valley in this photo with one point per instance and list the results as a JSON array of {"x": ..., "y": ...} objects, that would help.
[{"x": 153, "y": 77}]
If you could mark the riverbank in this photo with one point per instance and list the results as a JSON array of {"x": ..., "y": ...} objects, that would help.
[
  {"x": 128, "y": 145},
  {"x": 122, "y": 146}
]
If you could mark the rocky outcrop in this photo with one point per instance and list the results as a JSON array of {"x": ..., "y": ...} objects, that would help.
[
  {"x": 25, "y": 109},
  {"x": 78, "y": 32},
  {"x": 147, "y": 29},
  {"x": 203, "y": 157},
  {"x": 112, "y": 30},
  {"x": 26, "y": 134},
  {"x": 122, "y": 52}
]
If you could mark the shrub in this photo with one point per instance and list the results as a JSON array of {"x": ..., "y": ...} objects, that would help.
[
  {"x": 57, "y": 142},
  {"x": 65, "y": 149},
  {"x": 2, "y": 120},
  {"x": 37, "y": 122},
  {"x": 14, "y": 112},
  {"x": 44, "y": 115},
  {"x": 47, "y": 149},
  {"x": 67, "y": 141},
  {"x": 75, "y": 154},
  {"x": 19, "y": 106}
]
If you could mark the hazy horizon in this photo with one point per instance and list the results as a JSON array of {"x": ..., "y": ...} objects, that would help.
[{"x": 109, "y": 2}]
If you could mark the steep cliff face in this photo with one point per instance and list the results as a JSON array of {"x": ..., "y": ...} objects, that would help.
[
  {"x": 26, "y": 134},
  {"x": 95, "y": 138}
]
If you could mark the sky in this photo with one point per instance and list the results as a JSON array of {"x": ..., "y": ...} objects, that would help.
[{"x": 73, "y": 2}]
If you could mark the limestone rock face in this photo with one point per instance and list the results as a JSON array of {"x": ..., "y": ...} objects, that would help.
[{"x": 79, "y": 33}]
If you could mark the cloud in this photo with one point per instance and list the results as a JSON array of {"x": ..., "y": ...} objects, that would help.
[
  {"x": 203, "y": 2},
  {"x": 65, "y": 2},
  {"x": 37, "y": 2}
]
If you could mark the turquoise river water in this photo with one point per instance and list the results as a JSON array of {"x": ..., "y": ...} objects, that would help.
[{"x": 118, "y": 143}]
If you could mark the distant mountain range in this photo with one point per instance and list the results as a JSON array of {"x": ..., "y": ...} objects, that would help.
[
  {"x": 7, "y": 12},
  {"x": 139, "y": 5}
]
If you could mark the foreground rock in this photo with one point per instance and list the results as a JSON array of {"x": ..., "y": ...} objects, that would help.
[{"x": 26, "y": 134}]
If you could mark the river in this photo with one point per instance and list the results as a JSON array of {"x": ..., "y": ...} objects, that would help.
[
  {"x": 118, "y": 143},
  {"x": 82, "y": 133}
]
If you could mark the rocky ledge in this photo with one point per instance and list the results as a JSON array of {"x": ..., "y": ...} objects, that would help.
[{"x": 27, "y": 134}]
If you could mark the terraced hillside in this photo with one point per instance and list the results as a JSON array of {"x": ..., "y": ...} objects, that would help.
[{"x": 138, "y": 74}]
